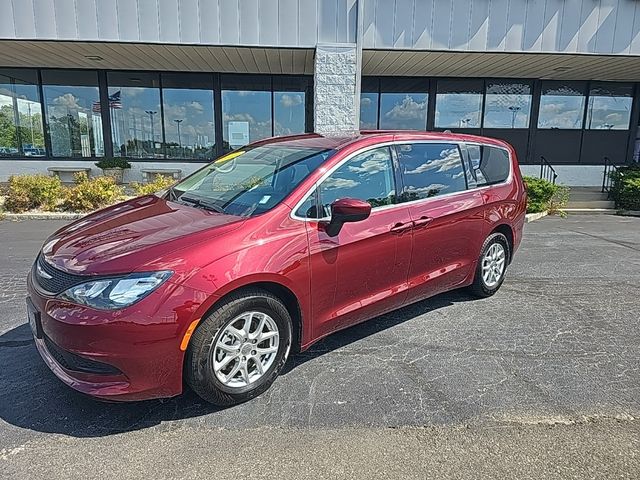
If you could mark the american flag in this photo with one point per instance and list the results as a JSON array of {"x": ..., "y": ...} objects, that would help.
[{"x": 115, "y": 102}]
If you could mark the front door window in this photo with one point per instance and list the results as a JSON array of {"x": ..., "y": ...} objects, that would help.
[{"x": 368, "y": 176}]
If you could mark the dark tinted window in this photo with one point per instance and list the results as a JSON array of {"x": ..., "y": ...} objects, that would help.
[
  {"x": 491, "y": 164},
  {"x": 367, "y": 176},
  {"x": 430, "y": 169}
]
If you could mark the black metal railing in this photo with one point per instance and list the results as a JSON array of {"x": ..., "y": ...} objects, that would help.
[
  {"x": 547, "y": 172},
  {"x": 607, "y": 177}
]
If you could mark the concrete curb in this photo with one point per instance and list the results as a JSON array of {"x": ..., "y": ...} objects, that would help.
[
  {"x": 589, "y": 211},
  {"x": 629, "y": 213},
  {"x": 41, "y": 216},
  {"x": 532, "y": 217}
]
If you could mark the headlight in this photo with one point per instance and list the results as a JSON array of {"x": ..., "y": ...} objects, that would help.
[{"x": 118, "y": 292}]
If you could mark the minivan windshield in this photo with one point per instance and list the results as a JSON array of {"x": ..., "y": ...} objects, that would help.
[{"x": 249, "y": 181}]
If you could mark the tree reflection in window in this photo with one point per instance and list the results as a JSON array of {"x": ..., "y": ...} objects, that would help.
[
  {"x": 367, "y": 176},
  {"x": 21, "y": 130}
]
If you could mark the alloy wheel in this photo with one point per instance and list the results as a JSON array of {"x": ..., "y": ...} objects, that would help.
[
  {"x": 493, "y": 265},
  {"x": 245, "y": 349}
]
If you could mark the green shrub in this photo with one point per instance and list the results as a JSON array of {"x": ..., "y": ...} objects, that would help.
[
  {"x": 626, "y": 187},
  {"x": 26, "y": 192},
  {"x": 115, "y": 162},
  {"x": 91, "y": 193},
  {"x": 539, "y": 194},
  {"x": 161, "y": 182}
]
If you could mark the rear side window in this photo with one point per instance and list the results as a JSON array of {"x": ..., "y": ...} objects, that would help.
[
  {"x": 430, "y": 169},
  {"x": 491, "y": 164}
]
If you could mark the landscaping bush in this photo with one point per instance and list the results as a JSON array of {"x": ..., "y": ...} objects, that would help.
[
  {"x": 26, "y": 192},
  {"x": 626, "y": 187},
  {"x": 113, "y": 162},
  {"x": 90, "y": 194},
  {"x": 539, "y": 194},
  {"x": 543, "y": 195},
  {"x": 161, "y": 182}
]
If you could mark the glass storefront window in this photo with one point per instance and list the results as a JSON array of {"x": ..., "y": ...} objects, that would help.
[
  {"x": 508, "y": 105},
  {"x": 289, "y": 112},
  {"x": 21, "y": 131},
  {"x": 246, "y": 117},
  {"x": 403, "y": 103},
  {"x": 72, "y": 106},
  {"x": 458, "y": 104},
  {"x": 134, "y": 104},
  {"x": 368, "y": 111},
  {"x": 562, "y": 105},
  {"x": 403, "y": 111},
  {"x": 609, "y": 107},
  {"x": 188, "y": 116}
]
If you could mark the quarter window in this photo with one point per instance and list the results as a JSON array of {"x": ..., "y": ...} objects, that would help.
[
  {"x": 368, "y": 176},
  {"x": 431, "y": 169},
  {"x": 491, "y": 164}
]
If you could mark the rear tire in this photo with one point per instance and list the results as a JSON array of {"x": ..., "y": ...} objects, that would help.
[
  {"x": 239, "y": 348},
  {"x": 492, "y": 266}
]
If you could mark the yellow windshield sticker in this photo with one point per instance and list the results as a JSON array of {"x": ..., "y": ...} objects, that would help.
[{"x": 229, "y": 156}]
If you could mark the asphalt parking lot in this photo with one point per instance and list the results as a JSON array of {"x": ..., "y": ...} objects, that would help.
[{"x": 556, "y": 350}]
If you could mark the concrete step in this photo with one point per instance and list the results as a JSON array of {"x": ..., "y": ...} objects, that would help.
[
  {"x": 591, "y": 204},
  {"x": 588, "y": 198}
]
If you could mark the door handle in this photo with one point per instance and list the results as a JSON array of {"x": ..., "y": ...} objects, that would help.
[
  {"x": 422, "y": 222},
  {"x": 401, "y": 227}
]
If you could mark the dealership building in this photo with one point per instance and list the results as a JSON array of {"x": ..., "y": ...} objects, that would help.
[{"x": 171, "y": 84}]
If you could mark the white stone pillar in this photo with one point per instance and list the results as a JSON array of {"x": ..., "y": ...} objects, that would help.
[{"x": 336, "y": 93}]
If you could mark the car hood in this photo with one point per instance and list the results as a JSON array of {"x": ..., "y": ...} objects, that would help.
[{"x": 126, "y": 237}]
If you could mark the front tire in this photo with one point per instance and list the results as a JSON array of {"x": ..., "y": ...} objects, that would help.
[
  {"x": 239, "y": 349},
  {"x": 492, "y": 265}
]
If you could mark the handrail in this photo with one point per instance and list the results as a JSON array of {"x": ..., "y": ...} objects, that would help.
[
  {"x": 607, "y": 180},
  {"x": 547, "y": 172}
]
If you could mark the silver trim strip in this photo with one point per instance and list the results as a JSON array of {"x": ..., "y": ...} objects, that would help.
[{"x": 397, "y": 205}]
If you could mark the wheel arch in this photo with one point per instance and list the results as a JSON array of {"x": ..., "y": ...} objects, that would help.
[
  {"x": 507, "y": 231},
  {"x": 279, "y": 290}
]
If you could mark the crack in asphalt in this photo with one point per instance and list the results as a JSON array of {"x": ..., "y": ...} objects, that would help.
[{"x": 604, "y": 239}]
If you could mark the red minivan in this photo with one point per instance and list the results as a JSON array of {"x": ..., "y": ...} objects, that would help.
[{"x": 265, "y": 251}]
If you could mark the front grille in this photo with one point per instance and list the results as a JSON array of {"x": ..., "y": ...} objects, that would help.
[
  {"x": 58, "y": 282},
  {"x": 76, "y": 363}
]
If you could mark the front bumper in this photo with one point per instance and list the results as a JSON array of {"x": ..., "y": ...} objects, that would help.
[{"x": 122, "y": 355}]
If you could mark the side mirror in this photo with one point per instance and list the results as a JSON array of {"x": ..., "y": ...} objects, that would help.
[{"x": 346, "y": 210}]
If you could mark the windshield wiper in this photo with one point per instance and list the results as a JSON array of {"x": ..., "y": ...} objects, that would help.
[
  {"x": 172, "y": 194},
  {"x": 198, "y": 202}
]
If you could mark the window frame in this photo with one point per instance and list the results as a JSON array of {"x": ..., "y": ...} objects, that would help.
[{"x": 464, "y": 158}]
